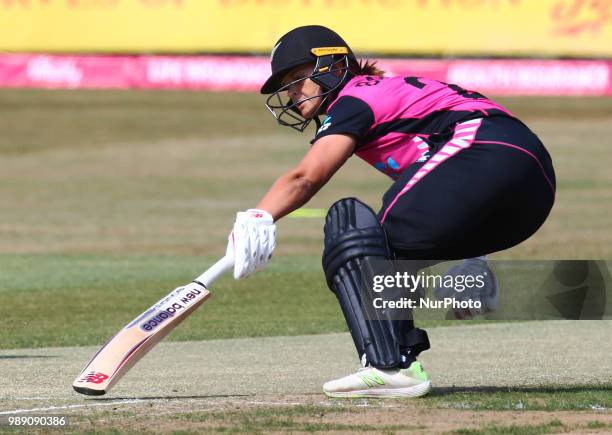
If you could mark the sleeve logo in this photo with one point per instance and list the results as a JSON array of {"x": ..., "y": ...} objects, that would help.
[{"x": 325, "y": 125}]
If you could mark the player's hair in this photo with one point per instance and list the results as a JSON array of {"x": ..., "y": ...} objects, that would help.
[{"x": 366, "y": 68}]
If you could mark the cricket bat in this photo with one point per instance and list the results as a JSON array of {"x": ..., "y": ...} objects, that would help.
[{"x": 129, "y": 345}]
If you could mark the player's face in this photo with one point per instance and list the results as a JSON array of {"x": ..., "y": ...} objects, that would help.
[{"x": 302, "y": 88}]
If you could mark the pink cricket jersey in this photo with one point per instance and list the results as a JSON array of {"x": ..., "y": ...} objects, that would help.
[{"x": 393, "y": 118}]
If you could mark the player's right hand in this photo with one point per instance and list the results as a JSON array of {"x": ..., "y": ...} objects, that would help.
[{"x": 251, "y": 241}]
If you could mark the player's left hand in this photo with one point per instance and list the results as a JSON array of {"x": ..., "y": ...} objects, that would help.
[{"x": 251, "y": 241}]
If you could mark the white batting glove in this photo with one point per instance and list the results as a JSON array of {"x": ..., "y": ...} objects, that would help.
[{"x": 251, "y": 242}]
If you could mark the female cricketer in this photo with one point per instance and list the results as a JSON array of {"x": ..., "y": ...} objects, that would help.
[{"x": 469, "y": 179}]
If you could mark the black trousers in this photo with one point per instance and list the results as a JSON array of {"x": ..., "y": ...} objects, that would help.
[{"x": 491, "y": 186}]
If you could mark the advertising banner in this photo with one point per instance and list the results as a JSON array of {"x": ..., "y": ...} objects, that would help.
[
  {"x": 397, "y": 27},
  {"x": 247, "y": 73}
]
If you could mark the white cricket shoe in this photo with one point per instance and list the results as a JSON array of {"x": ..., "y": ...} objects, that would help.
[{"x": 381, "y": 383}]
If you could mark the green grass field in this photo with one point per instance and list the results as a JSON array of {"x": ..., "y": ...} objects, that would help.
[{"x": 109, "y": 199}]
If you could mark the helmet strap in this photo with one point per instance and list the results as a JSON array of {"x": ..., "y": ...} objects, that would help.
[{"x": 317, "y": 122}]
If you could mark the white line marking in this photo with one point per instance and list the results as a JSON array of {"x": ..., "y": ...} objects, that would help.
[
  {"x": 325, "y": 403},
  {"x": 24, "y": 398},
  {"x": 212, "y": 402},
  {"x": 56, "y": 408},
  {"x": 254, "y": 402}
]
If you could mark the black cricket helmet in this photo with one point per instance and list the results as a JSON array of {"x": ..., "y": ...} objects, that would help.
[{"x": 329, "y": 54}]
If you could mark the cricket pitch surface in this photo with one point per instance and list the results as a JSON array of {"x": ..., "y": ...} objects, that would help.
[{"x": 188, "y": 385}]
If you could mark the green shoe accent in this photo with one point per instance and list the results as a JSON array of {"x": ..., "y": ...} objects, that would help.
[
  {"x": 370, "y": 378},
  {"x": 416, "y": 370}
]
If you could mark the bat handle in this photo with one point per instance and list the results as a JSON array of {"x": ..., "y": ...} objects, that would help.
[{"x": 215, "y": 271}]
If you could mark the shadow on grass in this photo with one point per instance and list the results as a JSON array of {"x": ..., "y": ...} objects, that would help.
[
  {"x": 445, "y": 391},
  {"x": 529, "y": 398},
  {"x": 170, "y": 397},
  {"x": 26, "y": 356},
  {"x": 439, "y": 392}
]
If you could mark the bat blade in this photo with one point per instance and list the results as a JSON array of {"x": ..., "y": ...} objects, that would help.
[{"x": 130, "y": 344}]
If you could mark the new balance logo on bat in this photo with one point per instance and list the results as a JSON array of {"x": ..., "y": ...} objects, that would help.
[
  {"x": 154, "y": 321},
  {"x": 94, "y": 378}
]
